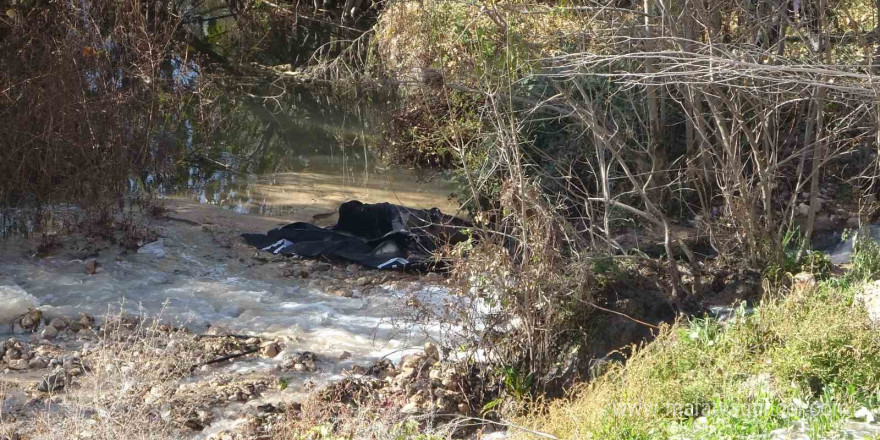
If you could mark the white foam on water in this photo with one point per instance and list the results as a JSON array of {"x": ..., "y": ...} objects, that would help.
[
  {"x": 196, "y": 285},
  {"x": 842, "y": 253},
  {"x": 14, "y": 302}
]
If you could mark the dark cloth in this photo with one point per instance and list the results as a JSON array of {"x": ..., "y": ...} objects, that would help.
[{"x": 381, "y": 236}]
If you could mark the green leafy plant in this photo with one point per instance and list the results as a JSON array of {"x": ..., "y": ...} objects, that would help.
[{"x": 794, "y": 257}]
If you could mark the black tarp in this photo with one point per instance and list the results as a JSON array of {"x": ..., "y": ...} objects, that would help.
[{"x": 381, "y": 236}]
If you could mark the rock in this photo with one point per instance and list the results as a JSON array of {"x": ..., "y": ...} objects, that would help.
[
  {"x": 825, "y": 222},
  {"x": 18, "y": 364},
  {"x": 86, "y": 321},
  {"x": 450, "y": 383},
  {"x": 497, "y": 435},
  {"x": 345, "y": 355},
  {"x": 31, "y": 320},
  {"x": 363, "y": 281},
  {"x": 432, "y": 352},
  {"x": 803, "y": 284},
  {"x": 49, "y": 332},
  {"x": 347, "y": 293},
  {"x": 804, "y": 209},
  {"x": 405, "y": 374},
  {"x": 852, "y": 223},
  {"x": 59, "y": 323},
  {"x": 410, "y": 408},
  {"x": 414, "y": 362},
  {"x": 155, "y": 249},
  {"x": 91, "y": 266},
  {"x": 869, "y": 297},
  {"x": 268, "y": 408},
  {"x": 435, "y": 374},
  {"x": 75, "y": 326},
  {"x": 271, "y": 350},
  {"x": 446, "y": 405},
  {"x": 464, "y": 409},
  {"x": 300, "y": 367},
  {"x": 37, "y": 363},
  {"x": 194, "y": 424},
  {"x": 12, "y": 354},
  {"x": 353, "y": 268},
  {"x": 600, "y": 366}
]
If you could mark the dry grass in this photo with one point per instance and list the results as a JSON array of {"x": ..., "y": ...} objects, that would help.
[
  {"x": 86, "y": 94},
  {"x": 125, "y": 388}
]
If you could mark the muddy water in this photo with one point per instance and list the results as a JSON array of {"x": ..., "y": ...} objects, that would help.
[{"x": 313, "y": 192}]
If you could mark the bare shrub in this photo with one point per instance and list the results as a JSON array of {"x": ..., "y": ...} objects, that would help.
[
  {"x": 685, "y": 124},
  {"x": 86, "y": 89}
]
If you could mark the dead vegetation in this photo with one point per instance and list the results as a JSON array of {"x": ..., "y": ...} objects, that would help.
[
  {"x": 86, "y": 94},
  {"x": 686, "y": 148}
]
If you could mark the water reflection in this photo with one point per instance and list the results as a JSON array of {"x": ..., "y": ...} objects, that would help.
[
  {"x": 317, "y": 193},
  {"x": 299, "y": 155}
]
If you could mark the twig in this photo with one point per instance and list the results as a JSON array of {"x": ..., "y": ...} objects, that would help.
[
  {"x": 226, "y": 358},
  {"x": 224, "y": 336},
  {"x": 620, "y": 314}
]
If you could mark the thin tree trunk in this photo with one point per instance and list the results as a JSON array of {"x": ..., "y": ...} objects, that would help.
[
  {"x": 819, "y": 147},
  {"x": 658, "y": 155}
]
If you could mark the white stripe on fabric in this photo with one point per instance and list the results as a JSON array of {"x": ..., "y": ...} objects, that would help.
[
  {"x": 281, "y": 245},
  {"x": 394, "y": 262}
]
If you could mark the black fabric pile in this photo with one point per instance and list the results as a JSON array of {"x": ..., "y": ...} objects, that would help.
[{"x": 381, "y": 236}]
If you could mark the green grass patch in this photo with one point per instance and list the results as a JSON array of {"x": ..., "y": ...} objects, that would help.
[{"x": 810, "y": 361}]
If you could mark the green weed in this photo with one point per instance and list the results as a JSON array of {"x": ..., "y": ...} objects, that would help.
[{"x": 810, "y": 362}]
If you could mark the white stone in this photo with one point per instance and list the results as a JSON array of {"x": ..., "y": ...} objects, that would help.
[
  {"x": 865, "y": 414},
  {"x": 869, "y": 297},
  {"x": 410, "y": 408}
]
